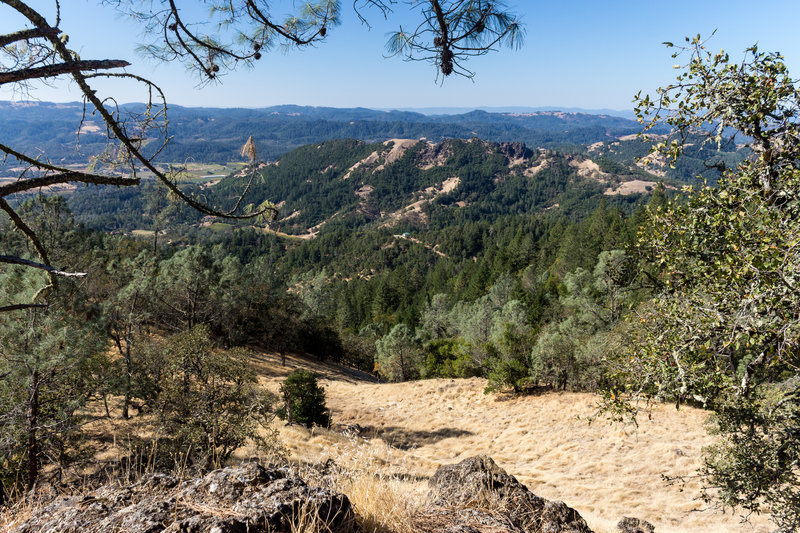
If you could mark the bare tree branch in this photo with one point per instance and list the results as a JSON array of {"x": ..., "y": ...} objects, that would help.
[
  {"x": 29, "y": 233},
  {"x": 65, "y": 177},
  {"x": 57, "y": 69},
  {"x": 25, "y": 35},
  {"x": 17, "y": 307},
  {"x": 33, "y": 264}
]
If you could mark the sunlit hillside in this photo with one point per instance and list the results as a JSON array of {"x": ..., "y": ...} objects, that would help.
[{"x": 546, "y": 441}]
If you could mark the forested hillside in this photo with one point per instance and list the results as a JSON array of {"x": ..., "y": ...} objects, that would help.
[
  {"x": 396, "y": 183},
  {"x": 177, "y": 282},
  {"x": 215, "y": 135},
  {"x": 462, "y": 248},
  {"x": 404, "y": 259},
  {"x": 453, "y": 257}
]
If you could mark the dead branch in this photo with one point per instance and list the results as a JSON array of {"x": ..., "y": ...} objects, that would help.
[
  {"x": 17, "y": 307},
  {"x": 24, "y": 35},
  {"x": 65, "y": 177},
  {"x": 33, "y": 264},
  {"x": 57, "y": 69}
]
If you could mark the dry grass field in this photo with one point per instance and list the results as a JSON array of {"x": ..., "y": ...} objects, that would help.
[
  {"x": 603, "y": 471},
  {"x": 388, "y": 439}
]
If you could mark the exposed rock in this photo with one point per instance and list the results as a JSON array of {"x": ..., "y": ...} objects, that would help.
[
  {"x": 248, "y": 498},
  {"x": 515, "y": 151},
  {"x": 471, "y": 479},
  {"x": 635, "y": 525},
  {"x": 558, "y": 517},
  {"x": 434, "y": 155},
  {"x": 476, "y": 495}
]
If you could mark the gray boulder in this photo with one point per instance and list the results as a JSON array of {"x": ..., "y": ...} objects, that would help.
[
  {"x": 635, "y": 525},
  {"x": 478, "y": 496},
  {"x": 242, "y": 499}
]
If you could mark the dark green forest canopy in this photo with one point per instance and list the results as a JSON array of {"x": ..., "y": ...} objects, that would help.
[
  {"x": 350, "y": 182},
  {"x": 512, "y": 209}
]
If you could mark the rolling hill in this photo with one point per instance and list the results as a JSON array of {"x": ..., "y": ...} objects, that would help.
[{"x": 215, "y": 135}]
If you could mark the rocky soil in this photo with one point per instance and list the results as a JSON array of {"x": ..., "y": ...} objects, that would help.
[{"x": 473, "y": 496}]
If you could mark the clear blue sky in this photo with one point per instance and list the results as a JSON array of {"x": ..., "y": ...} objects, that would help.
[{"x": 577, "y": 53}]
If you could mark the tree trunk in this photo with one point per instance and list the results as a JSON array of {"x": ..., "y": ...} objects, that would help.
[
  {"x": 32, "y": 446},
  {"x": 155, "y": 240},
  {"x": 402, "y": 367},
  {"x": 126, "y": 401},
  {"x": 287, "y": 398}
]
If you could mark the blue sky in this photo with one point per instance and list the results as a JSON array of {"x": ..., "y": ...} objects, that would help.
[{"x": 577, "y": 53}]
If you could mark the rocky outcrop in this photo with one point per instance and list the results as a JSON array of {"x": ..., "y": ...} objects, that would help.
[
  {"x": 477, "y": 496},
  {"x": 635, "y": 525},
  {"x": 248, "y": 498},
  {"x": 515, "y": 151}
]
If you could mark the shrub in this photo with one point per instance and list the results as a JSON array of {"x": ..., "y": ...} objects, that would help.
[
  {"x": 208, "y": 401},
  {"x": 304, "y": 400},
  {"x": 448, "y": 358}
]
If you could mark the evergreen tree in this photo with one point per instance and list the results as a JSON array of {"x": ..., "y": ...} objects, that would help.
[
  {"x": 398, "y": 355},
  {"x": 304, "y": 400},
  {"x": 49, "y": 357}
]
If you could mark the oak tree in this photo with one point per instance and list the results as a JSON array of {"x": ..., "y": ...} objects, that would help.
[{"x": 723, "y": 329}]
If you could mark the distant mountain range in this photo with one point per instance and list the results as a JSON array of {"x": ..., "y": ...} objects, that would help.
[
  {"x": 515, "y": 109},
  {"x": 216, "y": 134}
]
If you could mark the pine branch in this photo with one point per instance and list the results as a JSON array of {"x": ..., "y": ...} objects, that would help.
[{"x": 57, "y": 69}]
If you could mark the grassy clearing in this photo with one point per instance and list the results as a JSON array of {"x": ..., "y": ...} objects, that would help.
[
  {"x": 604, "y": 471},
  {"x": 388, "y": 439},
  {"x": 201, "y": 172}
]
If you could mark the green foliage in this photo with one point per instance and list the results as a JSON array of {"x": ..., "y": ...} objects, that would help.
[
  {"x": 304, "y": 400},
  {"x": 554, "y": 359},
  {"x": 509, "y": 342},
  {"x": 207, "y": 401},
  {"x": 51, "y": 362},
  {"x": 753, "y": 464},
  {"x": 195, "y": 286},
  {"x": 448, "y": 358},
  {"x": 435, "y": 320},
  {"x": 398, "y": 355},
  {"x": 508, "y": 361},
  {"x": 724, "y": 326}
]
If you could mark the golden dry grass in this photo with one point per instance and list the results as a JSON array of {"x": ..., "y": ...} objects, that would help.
[
  {"x": 631, "y": 187},
  {"x": 405, "y": 431},
  {"x": 603, "y": 471}
]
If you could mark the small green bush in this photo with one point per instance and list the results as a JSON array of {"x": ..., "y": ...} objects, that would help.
[
  {"x": 304, "y": 400},
  {"x": 448, "y": 358}
]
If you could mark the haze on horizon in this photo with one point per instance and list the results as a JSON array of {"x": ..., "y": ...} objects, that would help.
[{"x": 577, "y": 54}]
